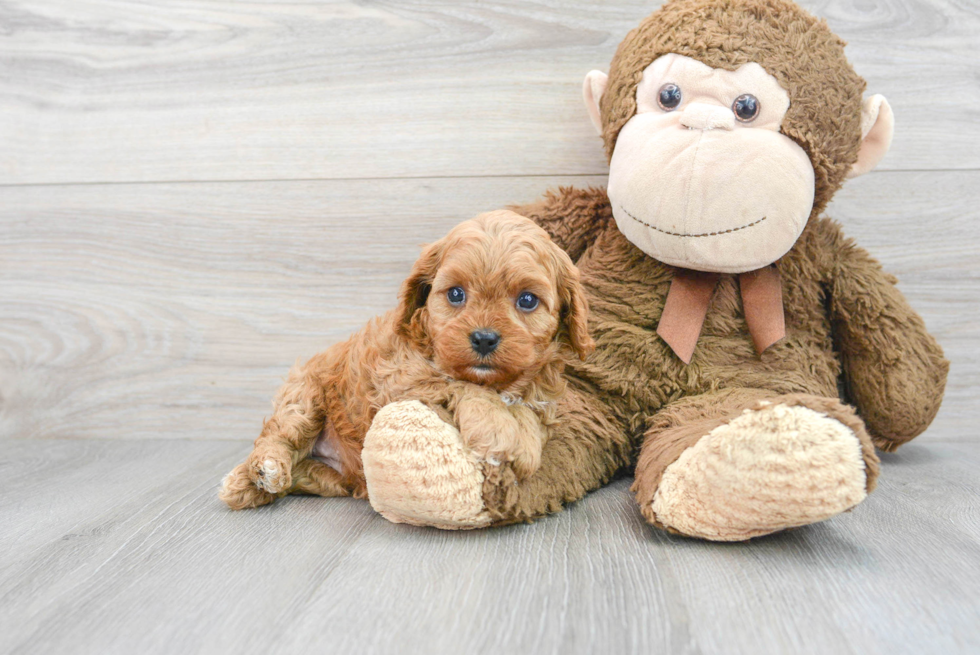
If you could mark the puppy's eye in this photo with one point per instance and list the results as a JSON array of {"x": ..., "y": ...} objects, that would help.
[
  {"x": 669, "y": 97},
  {"x": 746, "y": 108},
  {"x": 527, "y": 301},
  {"x": 456, "y": 296}
]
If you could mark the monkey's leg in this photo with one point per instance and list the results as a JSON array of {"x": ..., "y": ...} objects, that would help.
[
  {"x": 419, "y": 471},
  {"x": 740, "y": 463}
]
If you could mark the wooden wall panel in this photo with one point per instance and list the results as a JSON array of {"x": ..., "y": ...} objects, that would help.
[
  {"x": 173, "y": 310},
  {"x": 121, "y": 90}
]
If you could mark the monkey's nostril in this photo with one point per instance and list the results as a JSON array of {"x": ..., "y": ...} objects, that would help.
[{"x": 484, "y": 342}]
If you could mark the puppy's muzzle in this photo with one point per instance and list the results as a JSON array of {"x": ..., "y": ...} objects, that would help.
[{"x": 484, "y": 342}]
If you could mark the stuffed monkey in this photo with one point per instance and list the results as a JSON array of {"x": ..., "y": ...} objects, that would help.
[{"x": 749, "y": 357}]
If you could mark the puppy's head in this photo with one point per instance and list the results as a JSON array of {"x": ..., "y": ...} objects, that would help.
[{"x": 495, "y": 301}]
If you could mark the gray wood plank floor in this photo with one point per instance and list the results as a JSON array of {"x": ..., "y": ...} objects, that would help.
[
  {"x": 194, "y": 195},
  {"x": 131, "y": 552}
]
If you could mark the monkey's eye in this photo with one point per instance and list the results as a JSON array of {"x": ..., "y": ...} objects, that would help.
[
  {"x": 746, "y": 107},
  {"x": 527, "y": 301},
  {"x": 669, "y": 96},
  {"x": 456, "y": 296}
]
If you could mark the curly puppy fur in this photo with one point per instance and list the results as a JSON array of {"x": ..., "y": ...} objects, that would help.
[{"x": 502, "y": 402}]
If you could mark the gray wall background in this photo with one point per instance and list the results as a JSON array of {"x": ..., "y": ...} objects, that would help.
[{"x": 194, "y": 196}]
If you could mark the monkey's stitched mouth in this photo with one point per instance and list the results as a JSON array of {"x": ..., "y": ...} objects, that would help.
[{"x": 681, "y": 234}]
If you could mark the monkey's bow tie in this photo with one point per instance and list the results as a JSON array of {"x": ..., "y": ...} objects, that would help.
[{"x": 690, "y": 294}]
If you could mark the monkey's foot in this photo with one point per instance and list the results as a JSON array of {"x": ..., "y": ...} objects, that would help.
[
  {"x": 773, "y": 467},
  {"x": 419, "y": 472}
]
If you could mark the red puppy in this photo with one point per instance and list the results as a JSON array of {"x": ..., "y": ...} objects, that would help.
[{"x": 485, "y": 322}]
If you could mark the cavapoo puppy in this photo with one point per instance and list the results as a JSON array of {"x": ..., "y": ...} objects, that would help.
[{"x": 485, "y": 323}]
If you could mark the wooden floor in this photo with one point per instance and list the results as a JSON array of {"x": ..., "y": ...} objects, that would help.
[
  {"x": 195, "y": 195},
  {"x": 129, "y": 553}
]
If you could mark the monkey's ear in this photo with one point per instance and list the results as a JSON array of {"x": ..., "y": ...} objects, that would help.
[
  {"x": 592, "y": 90},
  {"x": 877, "y": 127}
]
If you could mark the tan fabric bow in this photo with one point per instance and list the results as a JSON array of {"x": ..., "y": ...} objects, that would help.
[{"x": 687, "y": 306}]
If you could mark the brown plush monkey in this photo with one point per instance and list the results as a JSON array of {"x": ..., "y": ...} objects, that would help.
[{"x": 725, "y": 309}]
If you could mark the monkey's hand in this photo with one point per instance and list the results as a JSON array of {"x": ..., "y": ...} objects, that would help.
[{"x": 894, "y": 369}]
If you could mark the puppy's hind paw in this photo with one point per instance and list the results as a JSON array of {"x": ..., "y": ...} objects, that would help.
[
  {"x": 269, "y": 472},
  {"x": 239, "y": 492}
]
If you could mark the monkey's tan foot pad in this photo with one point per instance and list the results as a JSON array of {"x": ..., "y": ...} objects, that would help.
[
  {"x": 419, "y": 472},
  {"x": 768, "y": 469}
]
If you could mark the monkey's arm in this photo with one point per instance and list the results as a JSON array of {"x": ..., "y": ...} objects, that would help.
[
  {"x": 572, "y": 217},
  {"x": 894, "y": 369}
]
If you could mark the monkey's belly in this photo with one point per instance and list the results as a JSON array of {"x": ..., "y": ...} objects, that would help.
[
  {"x": 638, "y": 364},
  {"x": 632, "y": 360}
]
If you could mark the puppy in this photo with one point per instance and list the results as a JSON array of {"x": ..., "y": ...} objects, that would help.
[{"x": 486, "y": 321}]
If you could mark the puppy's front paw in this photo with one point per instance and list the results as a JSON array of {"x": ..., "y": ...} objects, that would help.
[
  {"x": 498, "y": 434},
  {"x": 525, "y": 462},
  {"x": 498, "y": 441},
  {"x": 270, "y": 472},
  {"x": 489, "y": 434}
]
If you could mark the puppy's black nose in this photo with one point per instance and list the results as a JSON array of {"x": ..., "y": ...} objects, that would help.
[{"x": 484, "y": 342}]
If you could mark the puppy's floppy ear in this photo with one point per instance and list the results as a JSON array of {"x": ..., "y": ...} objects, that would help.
[
  {"x": 574, "y": 309},
  {"x": 415, "y": 290}
]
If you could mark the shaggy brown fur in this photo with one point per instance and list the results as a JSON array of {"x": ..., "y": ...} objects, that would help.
[
  {"x": 634, "y": 400},
  {"x": 503, "y": 402},
  {"x": 844, "y": 318}
]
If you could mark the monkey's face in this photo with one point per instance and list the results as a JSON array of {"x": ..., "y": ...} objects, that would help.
[{"x": 701, "y": 176}]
